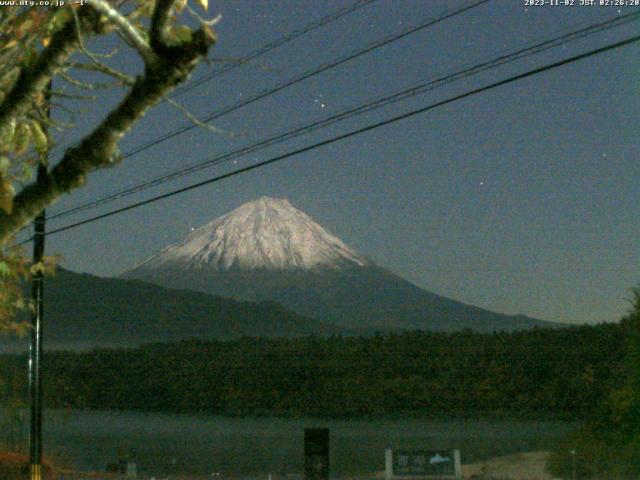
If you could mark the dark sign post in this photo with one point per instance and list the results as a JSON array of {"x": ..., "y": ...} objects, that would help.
[{"x": 316, "y": 453}]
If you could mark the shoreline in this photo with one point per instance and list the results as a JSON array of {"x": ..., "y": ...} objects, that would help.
[{"x": 517, "y": 466}]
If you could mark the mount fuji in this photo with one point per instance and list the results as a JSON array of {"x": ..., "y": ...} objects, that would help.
[
  {"x": 269, "y": 250},
  {"x": 268, "y": 234}
]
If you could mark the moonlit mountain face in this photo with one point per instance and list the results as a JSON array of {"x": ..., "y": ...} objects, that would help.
[
  {"x": 269, "y": 250},
  {"x": 267, "y": 234}
]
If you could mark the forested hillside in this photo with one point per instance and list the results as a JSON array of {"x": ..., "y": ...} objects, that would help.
[
  {"x": 539, "y": 374},
  {"x": 606, "y": 446}
]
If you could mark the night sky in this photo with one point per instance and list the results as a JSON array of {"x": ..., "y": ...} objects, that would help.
[{"x": 523, "y": 199}]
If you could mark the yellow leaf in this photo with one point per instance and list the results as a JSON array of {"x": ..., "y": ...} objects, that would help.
[
  {"x": 58, "y": 20},
  {"x": 40, "y": 140},
  {"x": 9, "y": 44},
  {"x": 182, "y": 33},
  {"x": 6, "y": 135},
  {"x": 203, "y": 3},
  {"x": 6, "y": 196},
  {"x": 46, "y": 41},
  {"x": 27, "y": 25},
  {"x": 21, "y": 139},
  {"x": 50, "y": 263},
  {"x": 9, "y": 78},
  {"x": 37, "y": 268}
]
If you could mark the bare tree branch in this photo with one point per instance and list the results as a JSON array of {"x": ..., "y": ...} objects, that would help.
[
  {"x": 201, "y": 20},
  {"x": 195, "y": 120},
  {"x": 159, "y": 24},
  {"x": 89, "y": 86},
  {"x": 172, "y": 65},
  {"x": 126, "y": 28},
  {"x": 73, "y": 96},
  {"x": 102, "y": 68},
  {"x": 35, "y": 79}
]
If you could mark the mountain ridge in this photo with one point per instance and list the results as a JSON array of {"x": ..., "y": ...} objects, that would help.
[
  {"x": 337, "y": 285},
  {"x": 84, "y": 311}
]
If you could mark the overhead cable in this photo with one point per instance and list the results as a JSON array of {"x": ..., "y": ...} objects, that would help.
[{"x": 353, "y": 133}]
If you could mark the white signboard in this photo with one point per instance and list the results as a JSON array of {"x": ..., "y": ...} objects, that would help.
[{"x": 415, "y": 464}]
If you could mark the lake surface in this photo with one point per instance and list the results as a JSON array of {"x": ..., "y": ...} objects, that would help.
[{"x": 166, "y": 443}]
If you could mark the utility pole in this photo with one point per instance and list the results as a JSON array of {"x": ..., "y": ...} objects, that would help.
[{"x": 35, "y": 350}]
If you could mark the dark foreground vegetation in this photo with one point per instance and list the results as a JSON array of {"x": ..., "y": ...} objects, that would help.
[
  {"x": 608, "y": 445},
  {"x": 530, "y": 374},
  {"x": 15, "y": 466}
]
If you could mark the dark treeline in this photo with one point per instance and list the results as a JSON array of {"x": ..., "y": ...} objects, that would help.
[
  {"x": 607, "y": 444},
  {"x": 537, "y": 374}
]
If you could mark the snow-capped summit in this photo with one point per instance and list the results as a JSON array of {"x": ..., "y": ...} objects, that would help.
[
  {"x": 268, "y": 250},
  {"x": 267, "y": 233}
]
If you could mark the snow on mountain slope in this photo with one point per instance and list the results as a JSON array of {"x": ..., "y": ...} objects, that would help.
[
  {"x": 267, "y": 233},
  {"x": 269, "y": 250}
]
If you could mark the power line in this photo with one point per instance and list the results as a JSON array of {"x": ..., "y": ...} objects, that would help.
[
  {"x": 308, "y": 74},
  {"x": 352, "y": 133},
  {"x": 267, "y": 48},
  {"x": 362, "y": 108},
  {"x": 304, "y": 76},
  {"x": 273, "y": 45}
]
